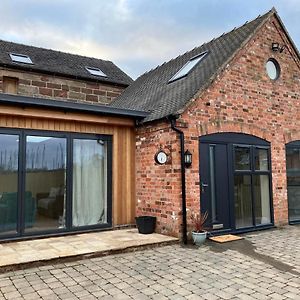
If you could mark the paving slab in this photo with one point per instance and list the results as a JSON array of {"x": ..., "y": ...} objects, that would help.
[
  {"x": 236, "y": 270},
  {"x": 25, "y": 253}
]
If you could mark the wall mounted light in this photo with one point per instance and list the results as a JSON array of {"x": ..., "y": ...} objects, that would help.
[
  {"x": 187, "y": 158},
  {"x": 276, "y": 47}
]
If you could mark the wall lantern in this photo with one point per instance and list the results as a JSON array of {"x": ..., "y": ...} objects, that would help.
[
  {"x": 276, "y": 47},
  {"x": 187, "y": 158}
]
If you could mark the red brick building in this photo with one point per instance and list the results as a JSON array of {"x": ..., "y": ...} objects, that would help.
[{"x": 234, "y": 104}]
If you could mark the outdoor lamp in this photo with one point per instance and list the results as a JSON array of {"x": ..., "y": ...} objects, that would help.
[
  {"x": 187, "y": 158},
  {"x": 275, "y": 47}
]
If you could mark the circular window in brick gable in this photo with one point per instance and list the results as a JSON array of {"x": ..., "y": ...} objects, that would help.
[{"x": 273, "y": 69}]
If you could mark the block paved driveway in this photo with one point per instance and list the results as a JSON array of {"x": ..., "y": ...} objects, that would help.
[{"x": 265, "y": 265}]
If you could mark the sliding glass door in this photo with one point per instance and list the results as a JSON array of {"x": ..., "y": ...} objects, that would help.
[
  {"x": 89, "y": 182},
  {"x": 45, "y": 183},
  {"x": 54, "y": 182},
  {"x": 9, "y": 167}
]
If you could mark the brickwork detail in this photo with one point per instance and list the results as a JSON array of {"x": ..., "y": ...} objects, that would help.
[
  {"x": 54, "y": 87},
  {"x": 242, "y": 99}
]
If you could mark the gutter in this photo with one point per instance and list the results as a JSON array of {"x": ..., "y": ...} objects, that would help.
[
  {"x": 68, "y": 105},
  {"x": 172, "y": 120}
]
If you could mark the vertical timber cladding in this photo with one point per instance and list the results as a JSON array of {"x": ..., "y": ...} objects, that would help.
[{"x": 123, "y": 134}]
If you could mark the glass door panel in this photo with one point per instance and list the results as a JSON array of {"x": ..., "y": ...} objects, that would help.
[
  {"x": 9, "y": 166},
  {"x": 262, "y": 199},
  {"x": 242, "y": 158},
  {"x": 212, "y": 183},
  {"x": 293, "y": 181},
  {"x": 89, "y": 182},
  {"x": 243, "y": 201},
  {"x": 261, "y": 160},
  {"x": 45, "y": 182}
]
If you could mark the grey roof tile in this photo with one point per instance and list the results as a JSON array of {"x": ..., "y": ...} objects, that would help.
[
  {"x": 151, "y": 92},
  {"x": 60, "y": 63}
]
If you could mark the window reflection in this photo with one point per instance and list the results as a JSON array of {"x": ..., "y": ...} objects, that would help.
[
  {"x": 45, "y": 183},
  {"x": 242, "y": 158},
  {"x": 9, "y": 161},
  {"x": 243, "y": 202},
  {"x": 293, "y": 181},
  {"x": 261, "y": 160}
]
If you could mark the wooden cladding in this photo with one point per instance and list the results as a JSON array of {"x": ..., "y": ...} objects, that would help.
[{"x": 123, "y": 134}]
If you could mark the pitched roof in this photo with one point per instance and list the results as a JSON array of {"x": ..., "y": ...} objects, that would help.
[
  {"x": 60, "y": 63},
  {"x": 154, "y": 93}
]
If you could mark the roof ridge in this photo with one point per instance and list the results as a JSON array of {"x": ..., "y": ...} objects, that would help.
[
  {"x": 53, "y": 50},
  {"x": 273, "y": 10}
]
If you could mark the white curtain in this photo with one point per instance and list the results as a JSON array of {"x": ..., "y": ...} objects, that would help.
[{"x": 89, "y": 182}]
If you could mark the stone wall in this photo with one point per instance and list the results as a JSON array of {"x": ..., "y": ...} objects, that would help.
[{"x": 58, "y": 87}]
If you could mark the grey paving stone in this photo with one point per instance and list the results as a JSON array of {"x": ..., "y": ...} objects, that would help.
[{"x": 171, "y": 272}]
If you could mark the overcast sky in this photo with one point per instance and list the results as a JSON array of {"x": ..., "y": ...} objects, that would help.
[{"x": 136, "y": 35}]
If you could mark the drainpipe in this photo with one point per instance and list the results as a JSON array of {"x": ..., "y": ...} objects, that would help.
[{"x": 172, "y": 120}]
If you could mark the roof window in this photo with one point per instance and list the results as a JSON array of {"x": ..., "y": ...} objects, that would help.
[
  {"x": 21, "y": 58},
  {"x": 188, "y": 66},
  {"x": 95, "y": 71}
]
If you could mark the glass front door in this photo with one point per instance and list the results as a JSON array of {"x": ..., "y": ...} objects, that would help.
[
  {"x": 235, "y": 181},
  {"x": 293, "y": 180},
  {"x": 251, "y": 186}
]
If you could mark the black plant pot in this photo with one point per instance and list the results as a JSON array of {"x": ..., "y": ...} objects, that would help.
[{"x": 145, "y": 224}]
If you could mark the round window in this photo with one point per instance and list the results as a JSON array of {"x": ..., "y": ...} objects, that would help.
[{"x": 273, "y": 69}]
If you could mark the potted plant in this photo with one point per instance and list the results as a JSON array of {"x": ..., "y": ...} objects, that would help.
[
  {"x": 145, "y": 224},
  {"x": 199, "y": 233}
]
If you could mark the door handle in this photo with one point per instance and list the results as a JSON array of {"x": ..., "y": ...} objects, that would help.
[{"x": 203, "y": 186}]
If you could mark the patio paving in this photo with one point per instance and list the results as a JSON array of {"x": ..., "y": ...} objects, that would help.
[
  {"x": 16, "y": 254},
  {"x": 264, "y": 265}
]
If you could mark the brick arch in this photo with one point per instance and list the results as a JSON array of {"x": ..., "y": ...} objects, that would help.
[
  {"x": 212, "y": 127},
  {"x": 291, "y": 136}
]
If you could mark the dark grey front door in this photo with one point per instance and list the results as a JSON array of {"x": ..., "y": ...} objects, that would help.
[
  {"x": 235, "y": 179},
  {"x": 214, "y": 184}
]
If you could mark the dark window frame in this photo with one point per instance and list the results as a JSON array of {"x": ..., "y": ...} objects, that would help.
[
  {"x": 253, "y": 172},
  {"x": 70, "y": 136},
  {"x": 291, "y": 145}
]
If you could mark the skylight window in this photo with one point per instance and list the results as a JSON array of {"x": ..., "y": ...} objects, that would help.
[
  {"x": 95, "y": 71},
  {"x": 21, "y": 58},
  {"x": 188, "y": 67}
]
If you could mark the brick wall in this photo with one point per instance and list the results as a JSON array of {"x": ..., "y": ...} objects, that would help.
[
  {"x": 54, "y": 87},
  {"x": 242, "y": 99}
]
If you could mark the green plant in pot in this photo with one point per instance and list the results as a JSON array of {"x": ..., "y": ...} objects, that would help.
[{"x": 199, "y": 232}]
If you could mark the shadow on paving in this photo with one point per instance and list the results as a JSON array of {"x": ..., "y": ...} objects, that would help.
[{"x": 245, "y": 247}]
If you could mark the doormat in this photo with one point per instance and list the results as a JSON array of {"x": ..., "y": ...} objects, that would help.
[{"x": 225, "y": 238}]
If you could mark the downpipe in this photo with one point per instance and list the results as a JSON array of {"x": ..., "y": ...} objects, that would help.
[{"x": 172, "y": 120}]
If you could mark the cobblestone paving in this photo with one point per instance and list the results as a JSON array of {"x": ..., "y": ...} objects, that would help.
[{"x": 264, "y": 265}]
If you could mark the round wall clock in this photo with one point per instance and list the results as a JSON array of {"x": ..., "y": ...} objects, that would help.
[{"x": 161, "y": 157}]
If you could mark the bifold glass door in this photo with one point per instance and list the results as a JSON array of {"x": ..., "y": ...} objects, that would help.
[{"x": 54, "y": 182}]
